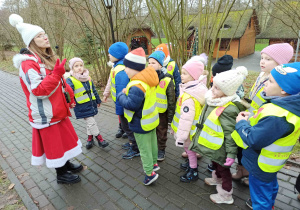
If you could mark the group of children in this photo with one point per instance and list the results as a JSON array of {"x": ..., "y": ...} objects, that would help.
[{"x": 216, "y": 122}]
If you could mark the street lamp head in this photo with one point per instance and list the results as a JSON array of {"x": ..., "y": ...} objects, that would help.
[{"x": 108, "y": 3}]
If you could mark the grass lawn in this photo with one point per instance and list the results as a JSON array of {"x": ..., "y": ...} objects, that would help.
[
  {"x": 156, "y": 42},
  {"x": 260, "y": 46}
]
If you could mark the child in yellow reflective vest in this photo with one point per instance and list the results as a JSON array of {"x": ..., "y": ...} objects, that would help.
[
  {"x": 269, "y": 136},
  {"x": 213, "y": 136},
  {"x": 165, "y": 101},
  {"x": 87, "y": 100},
  {"x": 139, "y": 102},
  {"x": 271, "y": 56},
  {"x": 188, "y": 110}
]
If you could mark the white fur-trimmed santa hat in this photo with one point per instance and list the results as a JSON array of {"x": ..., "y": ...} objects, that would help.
[
  {"x": 136, "y": 59},
  {"x": 27, "y": 31}
]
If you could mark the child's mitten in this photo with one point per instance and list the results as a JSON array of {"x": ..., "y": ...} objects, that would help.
[{"x": 229, "y": 161}]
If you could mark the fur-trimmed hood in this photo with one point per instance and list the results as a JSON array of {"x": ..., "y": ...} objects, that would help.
[{"x": 19, "y": 58}]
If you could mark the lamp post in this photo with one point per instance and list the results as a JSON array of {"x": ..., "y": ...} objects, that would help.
[{"x": 108, "y": 5}]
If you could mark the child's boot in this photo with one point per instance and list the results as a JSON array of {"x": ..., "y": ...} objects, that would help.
[
  {"x": 102, "y": 143},
  {"x": 222, "y": 196},
  {"x": 240, "y": 173},
  {"x": 191, "y": 175},
  {"x": 214, "y": 180},
  {"x": 120, "y": 132},
  {"x": 185, "y": 166},
  {"x": 90, "y": 142}
]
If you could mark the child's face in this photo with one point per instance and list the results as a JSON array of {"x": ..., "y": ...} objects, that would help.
[
  {"x": 267, "y": 63},
  {"x": 130, "y": 72},
  {"x": 154, "y": 63},
  {"x": 273, "y": 89},
  {"x": 112, "y": 58},
  {"x": 186, "y": 77},
  {"x": 78, "y": 67},
  {"x": 217, "y": 92}
]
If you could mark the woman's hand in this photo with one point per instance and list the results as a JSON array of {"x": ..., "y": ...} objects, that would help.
[
  {"x": 59, "y": 68},
  {"x": 98, "y": 105},
  {"x": 124, "y": 91},
  {"x": 73, "y": 105},
  {"x": 104, "y": 100}
]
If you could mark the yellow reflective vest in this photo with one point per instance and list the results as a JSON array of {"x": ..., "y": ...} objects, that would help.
[
  {"x": 212, "y": 135},
  {"x": 150, "y": 118},
  {"x": 161, "y": 96},
  {"x": 257, "y": 101},
  {"x": 273, "y": 157},
  {"x": 113, "y": 75},
  {"x": 170, "y": 68},
  {"x": 80, "y": 93},
  {"x": 176, "y": 118}
]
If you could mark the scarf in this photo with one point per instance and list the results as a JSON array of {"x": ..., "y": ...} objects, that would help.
[
  {"x": 220, "y": 101},
  {"x": 84, "y": 77}
]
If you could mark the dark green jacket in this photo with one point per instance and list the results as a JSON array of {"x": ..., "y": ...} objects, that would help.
[
  {"x": 228, "y": 121},
  {"x": 170, "y": 92}
]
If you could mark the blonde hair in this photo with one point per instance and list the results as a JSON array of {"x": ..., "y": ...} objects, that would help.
[{"x": 48, "y": 57}]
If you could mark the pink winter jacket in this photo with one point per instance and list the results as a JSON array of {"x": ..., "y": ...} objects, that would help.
[{"x": 197, "y": 89}]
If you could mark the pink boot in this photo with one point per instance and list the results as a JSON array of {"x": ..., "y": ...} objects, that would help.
[{"x": 222, "y": 196}]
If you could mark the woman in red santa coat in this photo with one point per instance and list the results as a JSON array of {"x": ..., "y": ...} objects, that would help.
[{"x": 54, "y": 139}]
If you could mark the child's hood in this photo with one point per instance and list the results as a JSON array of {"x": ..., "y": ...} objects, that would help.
[
  {"x": 148, "y": 75},
  {"x": 196, "y": 89},
  {"x": 290, "y": 103}
]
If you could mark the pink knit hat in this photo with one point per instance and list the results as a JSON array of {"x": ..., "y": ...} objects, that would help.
[
  {"x": 73, "y": 61},
  {"x": 194, "y": 68},
  {"x": 281, "y": 53}
]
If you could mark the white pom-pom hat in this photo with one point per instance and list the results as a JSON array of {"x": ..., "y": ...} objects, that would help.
[
  {"x": 27, "y": 31},
  {"x": 230, "y": 81}
]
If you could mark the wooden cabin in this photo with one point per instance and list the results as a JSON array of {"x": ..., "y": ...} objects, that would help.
[
  {"x": 241, "y": 27},
  {"x": 140, "y": 37},
  {"x": 281, "y": 28}
]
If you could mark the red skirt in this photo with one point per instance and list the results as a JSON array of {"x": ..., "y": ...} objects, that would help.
[{"x": 55, "y": 144}]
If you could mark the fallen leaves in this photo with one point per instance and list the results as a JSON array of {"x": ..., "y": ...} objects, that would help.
[
  {"x": 13, "y": 131},
  {"x": 12, "y": 185},
  {"x": 85, "y": 167}
]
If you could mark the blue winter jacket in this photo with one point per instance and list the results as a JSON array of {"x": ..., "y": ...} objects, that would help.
[
  {"x": 87, "y": 109},
  {"x": 135, "y": 99},
  {"x": 121, "y": 82},
  {"x": 177, "y": 78},
  {"x": 264, "y": 133}
]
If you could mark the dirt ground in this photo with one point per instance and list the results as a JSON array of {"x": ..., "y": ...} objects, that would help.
[{"x": 9, "y": 198}]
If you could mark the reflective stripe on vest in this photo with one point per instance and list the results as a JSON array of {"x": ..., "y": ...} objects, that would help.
[
  {"x": 212, "y": 135},
  {"x": 113, "y": 74},
  {"x": 161, "y": 96},
  {"x": 176, "y": 118},
  {"x": 257, "y": 101},
  {"x": 80, "y": 92},
  {"x": 273, "y": 157},
  {"x": 150, "y": 118}
]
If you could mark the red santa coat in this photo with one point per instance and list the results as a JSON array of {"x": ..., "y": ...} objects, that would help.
[{"x": 54, "y": 139}]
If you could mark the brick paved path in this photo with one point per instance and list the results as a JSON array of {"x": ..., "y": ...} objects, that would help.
[{"x": 109, "y": 182}]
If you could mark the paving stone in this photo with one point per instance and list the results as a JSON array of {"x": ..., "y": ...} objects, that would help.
[
  {"x": 110, "y": 205},
  {"x": 43, "y": 201},
  {"x": 35, "y": 192},
  {"x": 92, "y": 177},
  {"x": 128, "y": 192},
  {"x": 113, "y": 194},
  {"x": 29, "y": 184},
  {"x": 58, "y": 203},
  {"x": 142, "y": 202},
  {"x": 125, "y": 204},
  {"x": 116, "y": 183},
  {"x": 159, "y": 201}
]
